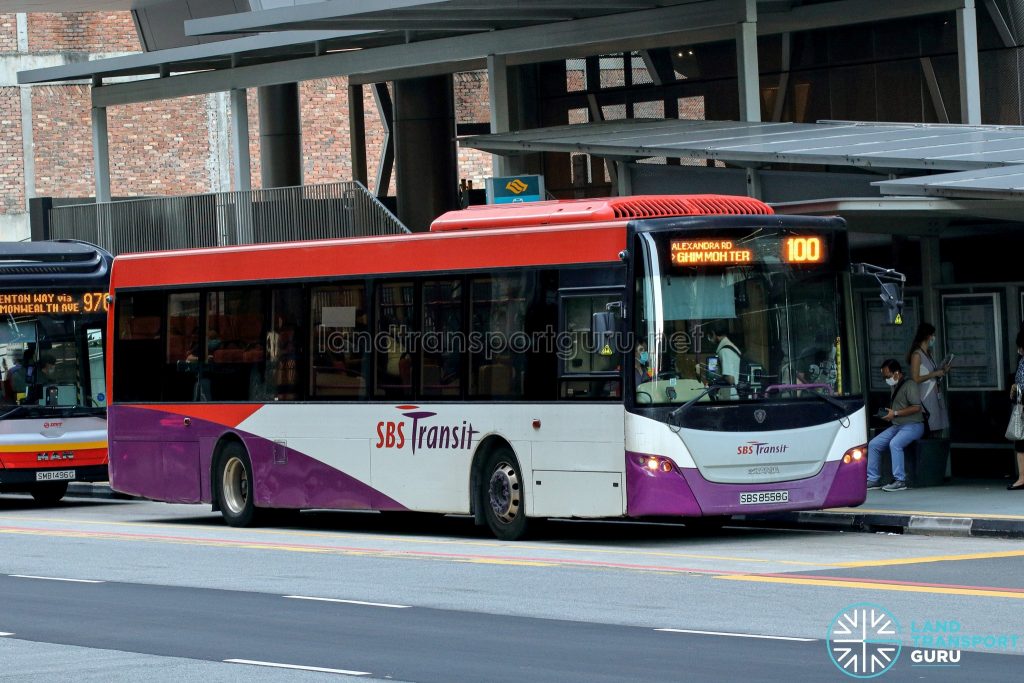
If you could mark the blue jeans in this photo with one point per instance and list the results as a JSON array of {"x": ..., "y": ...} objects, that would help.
[{"x": 895, "y": 438}]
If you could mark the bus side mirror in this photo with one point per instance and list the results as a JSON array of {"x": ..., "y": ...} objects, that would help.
[
  {"x": 892, "y": 299},
  {"x": 602, "y": 325}
]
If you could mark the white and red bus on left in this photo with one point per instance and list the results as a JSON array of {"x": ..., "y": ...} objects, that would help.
[{"x": 53, "y": 402}]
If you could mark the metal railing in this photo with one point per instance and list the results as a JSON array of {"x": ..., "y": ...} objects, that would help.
[{"x": 283, "y": 214}]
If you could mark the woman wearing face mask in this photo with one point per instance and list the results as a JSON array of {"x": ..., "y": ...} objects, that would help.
[
  {"x": 927, "y": 374},
  {"x": 1017, "y": 389}
]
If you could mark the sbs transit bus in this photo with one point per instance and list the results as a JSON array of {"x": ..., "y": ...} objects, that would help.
[
  {"x": 53, "y": 304},
  {"x": 556, "y": 359}
]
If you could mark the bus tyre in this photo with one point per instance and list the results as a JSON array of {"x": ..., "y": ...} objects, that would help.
[
  {"x": 235, "y": 487},
  {"x": 501, "y": 495},
  {"x": 49, "y": 493}
]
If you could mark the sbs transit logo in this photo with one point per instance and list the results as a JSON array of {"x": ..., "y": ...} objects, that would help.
[
  {"x": 761, "y": 448},
  {"x": 412, "y": 433},
  {"x": 864, "y": 640}
]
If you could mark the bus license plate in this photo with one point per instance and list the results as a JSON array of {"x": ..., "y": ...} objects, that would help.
[
  {"x": 764, "y": 497},
  {"x": 55, "y": 475}
]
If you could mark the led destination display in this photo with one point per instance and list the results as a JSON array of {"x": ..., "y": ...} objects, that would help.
[
  {"x": 725, "y": 252},
  {"x": 52, "y": 303}
]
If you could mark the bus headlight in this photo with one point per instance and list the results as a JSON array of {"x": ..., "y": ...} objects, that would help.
[
  {"x": 855, "y": 454},
  {"x": 655, "y": 464}
]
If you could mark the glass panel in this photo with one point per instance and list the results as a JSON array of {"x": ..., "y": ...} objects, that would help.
[
  {"x": 757, "y": 314},
  {"x": 340, "y": 341},
  {"x": 498, "y": 309},
  {"x": 97, "y": 367},
  {"x": 587, "y": 355},
  {"x": 280, "y": 376},
  {"x": 394, "y": 347},
  {"x": 444, "y": 343},
  {"x": 139, "y": 345},
  {"x": 234, "y": 345},
  {"x": 183, "y": 351}
]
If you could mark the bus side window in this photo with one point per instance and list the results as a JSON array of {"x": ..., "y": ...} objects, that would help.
[
  {"x": 182, "y": 346},
  {"x": 443, "y": 341},
  {"x": 340, "y": 341},
  {"x": 139, "y": 345}
]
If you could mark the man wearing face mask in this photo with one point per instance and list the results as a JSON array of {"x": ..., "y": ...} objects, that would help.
[
  {"x": 907, "y": 420},
  {"x": 642, "y": 365}
]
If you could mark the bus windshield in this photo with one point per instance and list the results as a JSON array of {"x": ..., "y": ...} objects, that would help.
[
  {"x": 739, "y": 314},
  {"x": 53, "y": 363}
]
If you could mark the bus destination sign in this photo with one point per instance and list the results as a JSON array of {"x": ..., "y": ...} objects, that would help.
[
  {"x": 722, "y": 252},
  {"x": 52, "y": 303}
]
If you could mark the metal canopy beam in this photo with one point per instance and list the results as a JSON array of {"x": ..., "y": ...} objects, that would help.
[{"x": 635, "y": 30}]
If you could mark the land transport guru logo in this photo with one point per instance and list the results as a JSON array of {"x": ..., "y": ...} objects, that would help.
[
  {"x": 864, "y": 640},
  {"x": 417, "y": 434}
]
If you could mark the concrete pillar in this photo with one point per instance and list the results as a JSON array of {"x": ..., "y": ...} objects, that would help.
[
  {"x": 497, "y": 83},
  {"x": 967, "y": 44},
  {"x": 357, "y": 133},
  {"x": 747, "y": 65},
  {"x": 426, "y": 166},
  {"x": 240, "y": 141},
  {"x": 280, "y": 135},
  {"x": 101, "y": 153}
]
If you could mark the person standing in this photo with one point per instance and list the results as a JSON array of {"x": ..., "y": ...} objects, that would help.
[
  {"x": 1017, "y": 390},
  {"x": 927, "y": 374},
  {"x": 907, "y": 420},
  {"x": 729, "y": 359}
]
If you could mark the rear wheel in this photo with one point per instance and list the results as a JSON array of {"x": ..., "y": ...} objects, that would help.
[
  {"x": 49, "y": 493},
  {"x": 235, "y": 487},
  {"x": 501, "y": 495}
]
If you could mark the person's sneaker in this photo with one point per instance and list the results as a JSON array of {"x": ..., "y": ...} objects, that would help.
[
  {"x": 872, "y": 485},
  {"x": 895, "y": 486}
]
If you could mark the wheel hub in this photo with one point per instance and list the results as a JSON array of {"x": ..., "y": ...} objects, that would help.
[
  {"x": 504, "y": 492},
  {"x": 236, "y": 486}
]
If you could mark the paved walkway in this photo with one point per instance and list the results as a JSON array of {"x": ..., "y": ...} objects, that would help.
[{"x": 967, "y": 507}]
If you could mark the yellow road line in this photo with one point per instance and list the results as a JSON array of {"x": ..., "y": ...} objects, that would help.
[
  {"x": 439, "y": 542},
  {"x": 871, "y": 585},
  {"x": 926, "y": 513},
  {"x": 933, "y": 558}
]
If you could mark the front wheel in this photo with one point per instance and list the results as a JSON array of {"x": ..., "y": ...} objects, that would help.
[
  {"x": 235, "y": 487},
  {"x": 501, "y": 494},
  {"x": 49, "y": 493}
]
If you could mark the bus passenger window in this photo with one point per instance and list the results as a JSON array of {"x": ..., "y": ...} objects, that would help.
[
  {"x": 340, "y": 342},
  {"x": 395, "y": 324},
  {"x": 182, "y": 347},
  {"x": 498, "y": 309},
  {"x": 234, "y": 345},
  {"x": 443, "y": 342},
  {"x": 280, "y": 376},
  {"x": 138, "y": 345}
]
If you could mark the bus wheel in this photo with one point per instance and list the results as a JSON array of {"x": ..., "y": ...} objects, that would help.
[
  {"x": 49, "y": 493},
  {"x": 235, "y": 486},
  {"x": 502, "y": 495}
]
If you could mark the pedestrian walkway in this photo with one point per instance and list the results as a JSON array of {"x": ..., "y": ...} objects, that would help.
[{"x": 963, "y": 507}]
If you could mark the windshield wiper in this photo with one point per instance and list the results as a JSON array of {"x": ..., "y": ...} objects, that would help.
[
  {"x": 842, "y": 415},
  {"x": 710, "y": 391}
]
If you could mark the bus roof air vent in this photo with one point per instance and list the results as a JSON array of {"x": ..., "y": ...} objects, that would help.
[{"x": 540, "y": 214}]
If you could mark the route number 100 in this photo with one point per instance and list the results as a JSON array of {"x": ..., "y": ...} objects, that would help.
[{"x": 802, "y": 250}]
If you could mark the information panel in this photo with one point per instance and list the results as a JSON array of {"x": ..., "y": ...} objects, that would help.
[
  {"x": 974, "y": 333},
  {"x": 52, "y": 303},
  {"x": 886, "y": 340}
]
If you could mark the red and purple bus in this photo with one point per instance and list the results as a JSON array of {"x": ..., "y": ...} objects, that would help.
[
  {"x": 53, "y": 306},
  {"x": 665, "y": 356}
]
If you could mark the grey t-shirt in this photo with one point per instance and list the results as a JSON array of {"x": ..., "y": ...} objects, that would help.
[{"x": 908, "y": 395}]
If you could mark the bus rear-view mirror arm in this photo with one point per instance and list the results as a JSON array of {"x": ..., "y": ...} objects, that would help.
[{"x": 891, "y": 282}]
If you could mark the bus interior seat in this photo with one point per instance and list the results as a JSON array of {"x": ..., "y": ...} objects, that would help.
[{"x": 496, "y": 379}]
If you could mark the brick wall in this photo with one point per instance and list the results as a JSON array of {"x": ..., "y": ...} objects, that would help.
[
  {"x": 8, "y": 33},
  {"x": 82, "y": 32},
  {"x": 325, "y": 135},
  {"x": 62, "y": 137},
  {"x": 12, "y": 174}
]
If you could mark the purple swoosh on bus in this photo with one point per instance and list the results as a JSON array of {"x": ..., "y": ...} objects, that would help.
[{"x": 153, "y": 454}]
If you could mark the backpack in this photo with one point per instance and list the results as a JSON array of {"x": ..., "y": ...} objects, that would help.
[{"x": 746, "y": 375}]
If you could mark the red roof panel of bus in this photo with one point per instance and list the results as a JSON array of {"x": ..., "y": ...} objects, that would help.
[{"x": 562, "y": 212}]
